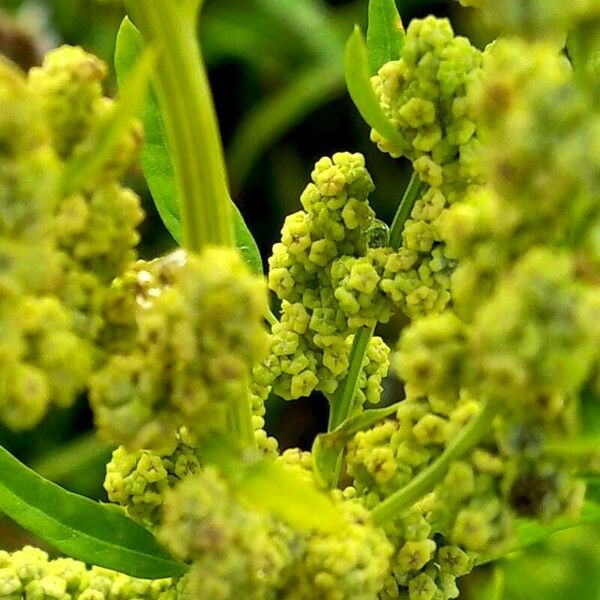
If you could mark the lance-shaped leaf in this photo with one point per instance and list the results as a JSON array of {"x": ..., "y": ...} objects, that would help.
[
  {"x": 328, "y": 447},
  {"x": 356, "y": 66},
  {"x": 155, "y": 159},
  {"x": 89, "y": 158},
  {"x": 98, "y": 534},
  {"x": 385, "y": 34}
]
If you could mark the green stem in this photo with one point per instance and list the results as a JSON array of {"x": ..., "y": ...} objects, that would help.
[
  {"x": 190, "y": 121},
  {"x": 342, "y": 407},
  {"x": 413, "y": 191},
  {"x": 342, "y": 402},
  {"x": 424, "y": 482}
]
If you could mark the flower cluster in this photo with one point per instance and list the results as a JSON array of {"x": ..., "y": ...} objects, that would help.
[
  {"x": 29, "y": 573},
  {"x": 235, "y": 552},
  {"x": 427, "y": 95},
  {"x": 328, "y": 279},
  {"x": 59, "y": 250},
  {"x": 197, "y": 332},
  {"x": 139, "y": 480},
  {"x": 519, "y": 332},
  {"x": 497, "y": 272}
]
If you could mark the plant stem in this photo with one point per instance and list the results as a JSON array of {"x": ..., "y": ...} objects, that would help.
[
  {"x": 342, "y": 407},
  {"x": 342, "y": 402},
  {"x": 190, "y": 121},
  {"x": 424, "y": 482},
  {"x": 413, "y": 191}
]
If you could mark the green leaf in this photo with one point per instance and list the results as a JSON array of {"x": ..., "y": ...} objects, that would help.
[
  {"x": 385, "y": 34},
  {"x": 98, "y": 534},
  {"x": 91, "y": 157},
  {"x": 328, "y": 447},
  {"x": 155, "y": 159},
  {"x": 286, "y": 493},
  {"x": 356, "y": 66},
  {"x": 272, "y": 487}
]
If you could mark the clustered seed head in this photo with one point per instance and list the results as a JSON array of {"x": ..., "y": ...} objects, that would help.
[
  {"x": 328, "y": 280},
  {"x": 427, "y": 95},
  {"x": 139, "y": 480},
  {"x": 58, "y": 252},
  {"x": 519, "y": 329},
  {"x": 198, "y": 331},
  {"x": 497, "y": 271},
  {"x": 234, "y": 552},
  {"x": 29, "y": 573}
]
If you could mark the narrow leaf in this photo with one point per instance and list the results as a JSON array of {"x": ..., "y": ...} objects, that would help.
[
  {"x": 91, "y": 157},
  {"x": 245, "y": 242},
  {"x": 385, "y": 34},
  {"x": 356, "y": 65},
  {"x": 155, "y": 159},
  {"x": 327, "y": 447},
  {"x": 94, "y": 533}
]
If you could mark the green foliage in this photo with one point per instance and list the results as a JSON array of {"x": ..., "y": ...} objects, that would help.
[
  {"x": 94, "y": 533},
  {"x": 356, "y": 63},
  {"x": 155, "y": 159},
  {"x": 385, "y": 35}
]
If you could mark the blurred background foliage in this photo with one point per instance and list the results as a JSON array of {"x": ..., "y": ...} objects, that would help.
[{"x": 277, "y": 77}]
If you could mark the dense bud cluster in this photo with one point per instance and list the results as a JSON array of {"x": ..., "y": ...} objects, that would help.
[
  {"x": 498, "y": 272},
  {"x": 139, "y": 480},
  {"x": 96, "y": 226},
  {"x": 198, "y": 331},
  {"x": 427, "y": 96},
  {"x": 328, "y": 280},
  {"x": 58, "y": 252},
  {"x": 519, "y": 329},
  {"x": 234, "y": 552},
  {"x": 350, "y": 563},
  {"x": 237, "y": 553},
  {"x": 30, "y": 574}
]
